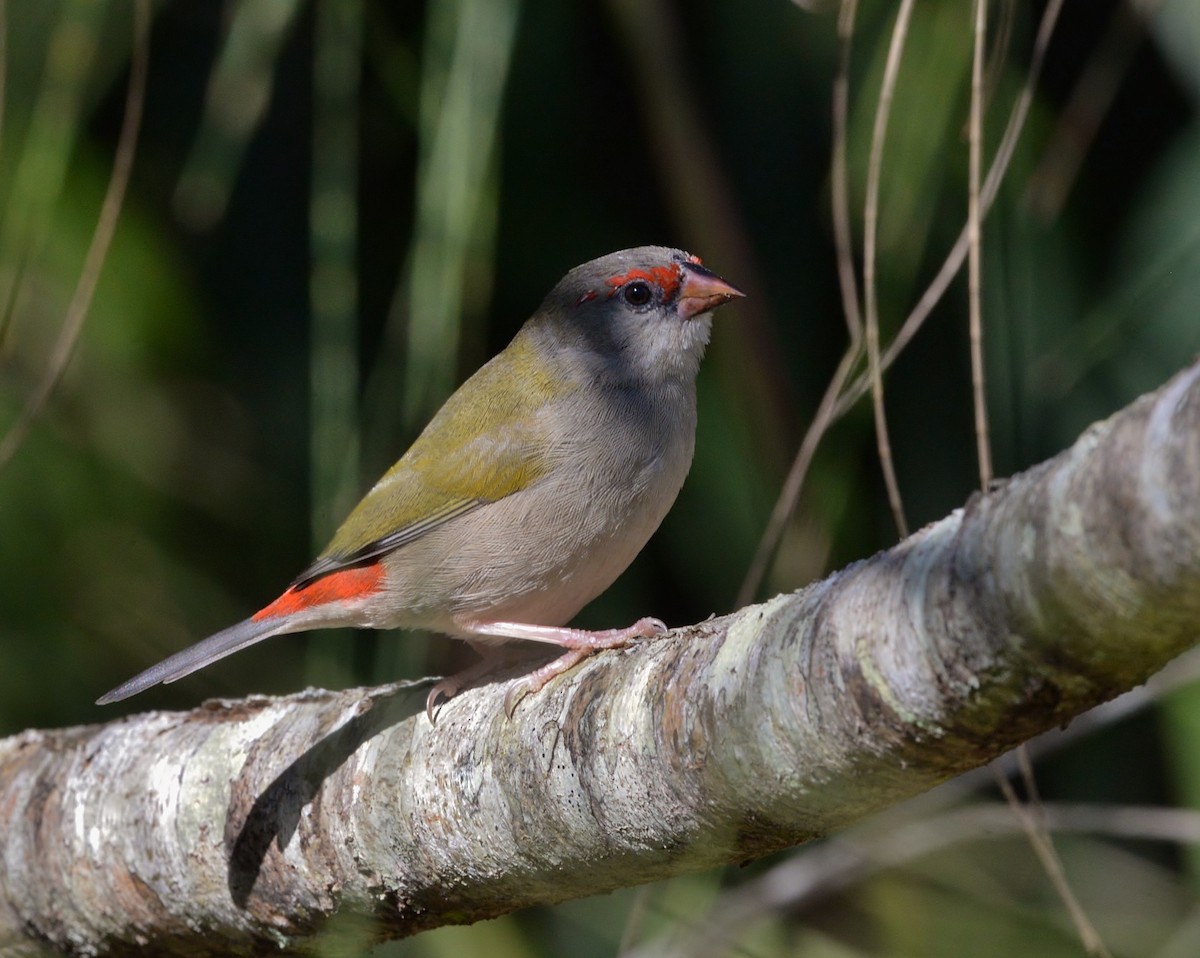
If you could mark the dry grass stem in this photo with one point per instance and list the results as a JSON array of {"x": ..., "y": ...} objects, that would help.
[
  {"x": 883, "y": 111},
  {"x": 106, "y": 224},
  {"x": 848, "y": 396}
]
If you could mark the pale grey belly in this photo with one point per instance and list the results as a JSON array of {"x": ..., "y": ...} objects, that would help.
[{"x": 540, "y": 555}]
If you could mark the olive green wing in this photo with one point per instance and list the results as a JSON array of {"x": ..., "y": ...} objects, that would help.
[{"x": 488, "y": 441}]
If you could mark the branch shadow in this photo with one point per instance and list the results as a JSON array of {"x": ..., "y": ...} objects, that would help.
[{"x": 275, "y": 813}]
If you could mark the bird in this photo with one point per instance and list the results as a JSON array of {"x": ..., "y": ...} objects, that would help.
[{"x": 528, "y": 493}]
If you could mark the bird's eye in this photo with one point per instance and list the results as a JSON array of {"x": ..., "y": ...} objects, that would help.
[{"x": 638, "y": 293}]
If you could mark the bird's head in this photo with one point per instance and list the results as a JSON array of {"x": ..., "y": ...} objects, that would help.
[{"x": 641, "y": 313}]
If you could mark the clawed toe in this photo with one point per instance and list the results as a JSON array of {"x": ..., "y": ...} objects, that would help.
[
  {"x": 443, "y": 688},
  {"x": 516, "y": 691},
  {"x": 650, "y": 626}
]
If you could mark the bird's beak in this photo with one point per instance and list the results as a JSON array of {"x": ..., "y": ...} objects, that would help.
[{"x": 703, "y": 291}]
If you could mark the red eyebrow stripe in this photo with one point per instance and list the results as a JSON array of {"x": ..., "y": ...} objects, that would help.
[{"x": 666, "y": 277}]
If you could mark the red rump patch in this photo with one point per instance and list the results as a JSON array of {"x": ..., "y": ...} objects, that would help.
[
  {"x": 667, "y": 278},
  {"x": 353, "y": 583}
]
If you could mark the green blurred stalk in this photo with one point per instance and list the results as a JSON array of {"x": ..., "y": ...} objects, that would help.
[
  {"x": 468, "y": 46},
  {"x": 333, "y": 292},
  {"x": 3, "y": 64},
  {"x": 333, "y": 284},
  {"x": 239, "y": 91},
  {"x": 54, "y": 126},
  {"x": 1180, "y": 717}
]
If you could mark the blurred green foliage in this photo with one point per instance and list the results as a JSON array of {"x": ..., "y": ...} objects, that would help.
[{"x": 340, "y": 209}]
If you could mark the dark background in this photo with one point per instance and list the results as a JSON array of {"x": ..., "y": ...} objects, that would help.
[{"x": 181, "y": 474}]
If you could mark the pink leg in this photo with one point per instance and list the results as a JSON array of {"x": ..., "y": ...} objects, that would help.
[
  {"x": 578, "y": 642},
  {"x": 570, "y": 638}
]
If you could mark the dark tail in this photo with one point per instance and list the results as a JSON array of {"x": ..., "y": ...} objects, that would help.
[{"x": 197, "y": 656}]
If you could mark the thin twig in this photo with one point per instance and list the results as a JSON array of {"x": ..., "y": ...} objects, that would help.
[
  {"x": 843, "y": 235},
  {"x": 851, "y": 858},
  {"x": 975, "y": 251},
  {"x": 785, "y": 503},
  {"x": 887, "y": 90},
  {"x": 991, "y": 186},
  {"x": 1039, "y": 840},
  {"x": 1031, "y": 816},
  {"x": 97, "y": 252},
  {"x": 781, "y": 514},
  {"x": 1001, "y": 40}
]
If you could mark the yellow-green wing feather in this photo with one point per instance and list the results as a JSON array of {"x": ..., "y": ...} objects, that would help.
[{"x": 487, "y": 442}]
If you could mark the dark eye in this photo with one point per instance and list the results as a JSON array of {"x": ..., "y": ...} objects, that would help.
[{"x": 638, "y": 293}]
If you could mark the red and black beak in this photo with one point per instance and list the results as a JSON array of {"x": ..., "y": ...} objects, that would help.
[{"x": 702, "y": 291}]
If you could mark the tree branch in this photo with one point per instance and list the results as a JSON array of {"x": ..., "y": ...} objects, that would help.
[{"x": 243, "y": 826}]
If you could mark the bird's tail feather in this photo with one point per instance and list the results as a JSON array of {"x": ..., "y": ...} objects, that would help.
[{"x": 197, "y": 656}]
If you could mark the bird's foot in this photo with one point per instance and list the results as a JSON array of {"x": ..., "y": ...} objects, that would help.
[
  {"x": 450, "y": 686},
  {"x": 579, "y": 644}
]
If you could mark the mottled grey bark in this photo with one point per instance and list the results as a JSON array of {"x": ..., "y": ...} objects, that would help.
[{"x": 242, "y": 827}]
